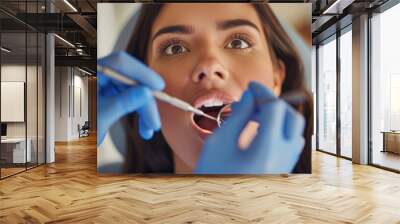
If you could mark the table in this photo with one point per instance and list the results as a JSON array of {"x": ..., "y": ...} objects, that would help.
[
  {"x": 15, "y": 148},
  {"x": 391, "y": 141}
]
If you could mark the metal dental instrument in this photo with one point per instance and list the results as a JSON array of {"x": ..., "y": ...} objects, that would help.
[
  {"x": 157, "y": 94},
  {"x": 294, "y": 97}
]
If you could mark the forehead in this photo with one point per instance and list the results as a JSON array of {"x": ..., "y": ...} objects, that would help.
[{"x": 207, "y": 14}]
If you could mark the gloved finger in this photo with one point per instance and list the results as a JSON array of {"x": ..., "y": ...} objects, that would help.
[
  {"x": 301, "y": 142},
  {"x": 149, "y": 115},
  {"x": 102, "y": 79},
  {"x": 261, "y": 92},
  {"x": 294, "y": 123},
  {"x": 254, "y": 115},
  {"x": 108, "y": 87},
  {"x": 239, "y": 117},
  {"x": 292, "y": 155},
  {"x": 126, "y": 64},
  {"x": 271, "y": 120},
  {"x": 114, "y": 107},
  {"x": 145, "y": 131}
]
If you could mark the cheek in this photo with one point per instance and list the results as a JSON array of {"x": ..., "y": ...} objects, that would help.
[
  {"x": 176, "y": 75},
  {"x": 169, "y": 122},
  {"x": 178, "y": 134},
  {"x": 175, "y": 122},
  {"x": 256, "y": 69},
  {"x": 176, "y": 85}
]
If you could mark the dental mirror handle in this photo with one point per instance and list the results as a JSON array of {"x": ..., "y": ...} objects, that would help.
[{"x": 293, "y": 97}]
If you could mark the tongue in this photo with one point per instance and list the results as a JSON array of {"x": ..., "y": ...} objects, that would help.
[{"x": 206, "y": 123}]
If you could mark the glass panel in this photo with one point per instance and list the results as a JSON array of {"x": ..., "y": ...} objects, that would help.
[
  {"x": 313, "y": 90},
  {"x": 346, "y": 94},
  {"x": 23, "y": 81},
  {"x": 13, "y": 87},
  {"x": 327, "y": 97},
  {"x": 31, "y": 87},
  {"x": 385, "y": 84},
  {"x": 31, "y": 98},
  {"x": 41, "y": 98}
]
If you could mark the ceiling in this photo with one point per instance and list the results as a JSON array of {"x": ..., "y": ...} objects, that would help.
[{"x": 77, "y": 24}]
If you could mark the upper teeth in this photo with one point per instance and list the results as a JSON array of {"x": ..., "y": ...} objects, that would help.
[{"x": 212, "y": 103}]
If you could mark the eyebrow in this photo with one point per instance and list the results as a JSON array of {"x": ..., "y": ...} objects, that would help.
[
  {"x": 228, "y": 24},
  {"x": 181, "y": 29},
  {"x": 185, "y": 29}
]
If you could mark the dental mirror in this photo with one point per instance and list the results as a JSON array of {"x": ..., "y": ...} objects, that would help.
[{"x": 223, "y": 113}]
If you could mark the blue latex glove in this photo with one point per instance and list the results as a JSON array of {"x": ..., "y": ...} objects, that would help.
[
  {"x": 274, "y": 150},
  {"x": 116, "y": 99}
]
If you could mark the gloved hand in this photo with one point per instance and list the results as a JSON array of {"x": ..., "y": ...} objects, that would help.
[
  {"x": 116, "y": 99},
  {"x": 274, "y": 150}
]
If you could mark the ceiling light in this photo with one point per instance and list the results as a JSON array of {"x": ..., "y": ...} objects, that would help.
[
  {"x": 65, "y": 41},
  {"x": 5, "y": 50},
  {"x": 328, "y": 10},
  {"x": 337, "y": 7},
  {"x": 84, "y": 71},
  {"x": 70, "y": 5}
]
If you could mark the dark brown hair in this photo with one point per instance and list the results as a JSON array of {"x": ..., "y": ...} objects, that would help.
[{"x": 155, "y": 155}]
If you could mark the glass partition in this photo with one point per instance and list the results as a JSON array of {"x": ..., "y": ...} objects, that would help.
[
  {"x": 327, "y": 96},
  {"x": 31, "y": 98},
  {"x": 13, "y": 105},
  {"x": 385, "y": 89},
  {"x": 346, "y": 93},
  {"x": 41, "y": 96},
  {"x": 22, "y": 77}
]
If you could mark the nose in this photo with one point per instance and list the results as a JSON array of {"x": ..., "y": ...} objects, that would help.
[{"x": 210, "y": 72}]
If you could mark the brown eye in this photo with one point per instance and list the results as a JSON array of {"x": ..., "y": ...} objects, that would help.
[
  {"x": 175, "y": 49},
  {"x": 238, "y": 44}
]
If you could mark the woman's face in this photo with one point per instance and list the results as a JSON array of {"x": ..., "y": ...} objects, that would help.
[{"x": 207, "y": 54}]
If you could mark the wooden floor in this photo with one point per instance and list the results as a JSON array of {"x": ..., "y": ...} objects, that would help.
[
  {"x": 70, "y": 191},
  {"x": 10, "y": 171},
  {"x": 387, "y": 159},
  {"x": 5, "y": 172}
]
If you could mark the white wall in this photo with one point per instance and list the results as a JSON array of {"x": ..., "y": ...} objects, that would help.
[
  {"x": 13, "y": 73},
  {"x": 61, "y": 103},
  {"x": 33, "y": 126},
  {"x": 71, "y": 94},
  {"x": 111, "y": 23},
  {"x": 80, "y": 100}
]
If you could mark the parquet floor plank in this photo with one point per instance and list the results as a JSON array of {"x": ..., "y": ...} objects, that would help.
[{"x": 71, "y": 191}]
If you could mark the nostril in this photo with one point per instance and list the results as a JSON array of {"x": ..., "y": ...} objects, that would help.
[
  {"x": 201, "y": 76},
  {"x": 212, "y": 75},
  {"x": 220, "y": 75}
]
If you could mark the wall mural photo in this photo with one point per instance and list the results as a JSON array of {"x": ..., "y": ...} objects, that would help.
[{"x": 204, "y": 88}]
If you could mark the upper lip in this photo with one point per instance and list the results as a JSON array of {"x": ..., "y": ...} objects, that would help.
[{"x": 212, "y": 97}]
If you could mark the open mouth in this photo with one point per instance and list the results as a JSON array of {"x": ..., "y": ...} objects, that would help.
[
  {"x": 206, "y": 123},
  {"x": 214, "y": 105}
]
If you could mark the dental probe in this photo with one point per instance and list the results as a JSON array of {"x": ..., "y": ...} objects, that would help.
[{"x": 157, "y": 94}]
